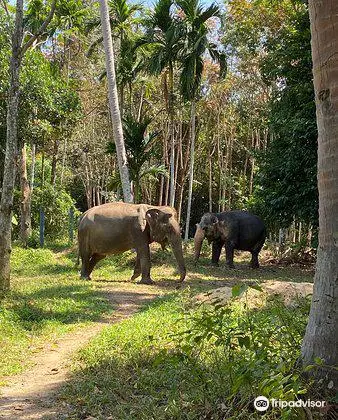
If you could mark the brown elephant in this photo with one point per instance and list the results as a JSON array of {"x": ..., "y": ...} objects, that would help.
[{"x": 114, "y": 228}]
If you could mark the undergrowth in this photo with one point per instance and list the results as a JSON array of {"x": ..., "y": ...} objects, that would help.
[{"x": 179, "y": 360}]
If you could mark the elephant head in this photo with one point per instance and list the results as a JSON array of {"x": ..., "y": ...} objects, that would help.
[
  {"x": 164, "y": 229},
  {"x": 209, "y": 227}
]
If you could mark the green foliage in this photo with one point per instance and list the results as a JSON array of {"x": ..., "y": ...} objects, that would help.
[
  {"x": 256, "y": 349},
  {"x": 196, "y": 44},
  {"x": 164, "y": 37},
  {"x": 177, "y": 360},
  {"x": 55, "y": 203},
  {"x": 140, "y": 147},
  {"x": 49, "y": 104},
  {"x": 287, "y": 178}
]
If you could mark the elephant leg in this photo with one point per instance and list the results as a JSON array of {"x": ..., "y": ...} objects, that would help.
[
  {"x": 216, "y": 252},
  {"x": 229, "y": 253},
  {"x": 254, "y": 259},
  {"x": 93, "y": 261},
  {"x": 137, "y": 268},
  {"x": 254, "y": 254},
  {"x": 85, "y": 273},
  {"x": 144, "y": 253}
]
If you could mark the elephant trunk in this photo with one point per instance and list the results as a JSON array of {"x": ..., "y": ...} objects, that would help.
[
  {"x": 198, "y": 240},
  {"x": 176, "y": 244}
]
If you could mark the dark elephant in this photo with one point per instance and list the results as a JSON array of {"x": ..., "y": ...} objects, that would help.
[
  {"x": 233, "y": 230},
  {"x": 113, "y": 228}
]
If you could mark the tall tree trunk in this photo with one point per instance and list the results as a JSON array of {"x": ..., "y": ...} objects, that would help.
[
  {"x": 114, "y": 102},
  {"x": 32, "y": 169},
  {"x": 25, "y": 205},
  {"x": 210, "y": 180},
  {"x": 191, "y": 169},
  {"x": 64, "y": 154},
  {"x": 322, "y": 330},
  {"x": 121, "y": 99},
  {"x": 140, "y": 108},
  {"x": 176, "y": 173},
  {"x": 43, "y": 168},
  {"x": 229, "y": 168},
  {"x": 172, "y": 135},
  {"x": 6, "y": 202},
  {"x": 252, "y": 163},
  {"x": 161, "y": 190},
  {"x": 180, "y": 201},
  {"x": 54, "y": 160}
]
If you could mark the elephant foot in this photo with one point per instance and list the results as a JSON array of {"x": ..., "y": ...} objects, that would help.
[
  {"x": 146, "y": 281},
  {"x": 254, "y": 266},
  {"x": 231, "y": 265},
  {"x": 215, "y": 263},
  {"x": 134, "y": 276},
  {"x": 84, "y": 277}
]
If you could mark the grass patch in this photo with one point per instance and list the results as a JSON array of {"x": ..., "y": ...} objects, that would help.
[
  {"x": 176, "y": 360},
  {"x": 47, "y": 299}
]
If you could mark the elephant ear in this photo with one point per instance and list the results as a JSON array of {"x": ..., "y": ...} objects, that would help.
[
  {"x": 142, "y": 210},
  {"x": 225, "y": 229},
  {"x": 155, "y": 216},
  {"x": 159, "y": 225}
]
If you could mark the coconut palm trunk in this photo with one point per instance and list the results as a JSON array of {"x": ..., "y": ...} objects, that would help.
[
  {"x": 322, "y": 330},
  {"x": 11, "y": 152},
  {"x": 114, "y": 102}
]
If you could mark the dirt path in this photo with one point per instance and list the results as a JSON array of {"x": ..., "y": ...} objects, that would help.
[{"x": 32, "y": 394}]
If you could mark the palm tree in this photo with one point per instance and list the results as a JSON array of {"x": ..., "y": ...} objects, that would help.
[
  {"x": 164, "y": 37},
  {"x": 123, "y": 21},
  {"x": 114, "y": 102},
  {"x": 320, "y": 339},
  {"x": 192, "y": 59},
  {"x": 140, "y": 148}
]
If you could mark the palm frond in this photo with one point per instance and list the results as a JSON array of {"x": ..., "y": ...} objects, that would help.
[
  {"x": 162, "y": 17},
  {"x": 212, "y": 11},
  {"x": 93, "y": 46},
  {"x": 154, "y": 171},
  {"x": 92, "y": 24},
  {"x": 219, "y": 57}
]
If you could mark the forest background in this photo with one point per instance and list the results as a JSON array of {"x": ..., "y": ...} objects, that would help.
[{"x": 243, "y": 67}]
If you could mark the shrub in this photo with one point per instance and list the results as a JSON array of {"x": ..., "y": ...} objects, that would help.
[{"x": 56, "y": 204}]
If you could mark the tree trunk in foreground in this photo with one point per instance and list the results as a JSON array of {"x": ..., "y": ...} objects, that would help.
[
  {"x": 6, "y": 203},
  {"x": 25, "y": 205},
  {"x": 114, "y": 102},
  {"x": 322, "y": 330},
  {"x": 191, "y": 169}
]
